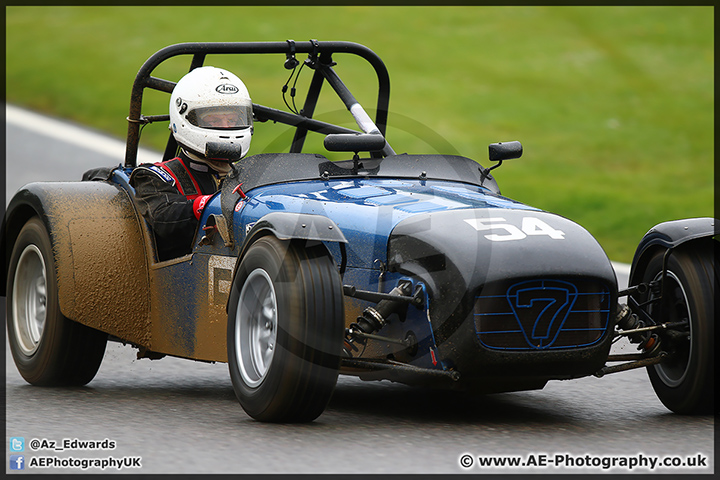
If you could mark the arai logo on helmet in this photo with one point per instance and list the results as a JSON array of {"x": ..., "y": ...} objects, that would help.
[{"x": 227, "y": 88}]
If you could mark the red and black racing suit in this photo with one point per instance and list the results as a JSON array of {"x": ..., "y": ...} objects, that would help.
[{"x": 171, "y": 196}]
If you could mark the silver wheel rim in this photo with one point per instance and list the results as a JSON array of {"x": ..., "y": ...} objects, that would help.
[
  {"x": 256, "y": 327},
  {"x": 673, "y": 374},
  {"x": 29, "y": 299}
]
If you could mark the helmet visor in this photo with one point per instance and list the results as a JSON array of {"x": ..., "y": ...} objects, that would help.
[{"x": 227, "y": 117}]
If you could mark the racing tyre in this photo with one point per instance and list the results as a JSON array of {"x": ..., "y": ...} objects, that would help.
[
  {"x": 285, "y": 330},
  {"x": 684, "y": 382},
  {"x": 48, "y": 348}
]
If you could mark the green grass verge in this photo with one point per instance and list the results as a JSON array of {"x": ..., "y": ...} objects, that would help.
[{"x": 614, "y": 105}]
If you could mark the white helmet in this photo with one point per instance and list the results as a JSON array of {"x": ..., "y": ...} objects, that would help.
[{"x": 211, "y": 114}]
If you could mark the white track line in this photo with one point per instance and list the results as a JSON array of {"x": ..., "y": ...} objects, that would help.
[
  {"x": 621, "y": 268},
  {"x": 110, "y": 146},
  {"x": 73, "y": 134}
]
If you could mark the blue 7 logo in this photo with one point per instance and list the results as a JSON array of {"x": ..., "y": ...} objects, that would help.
[{"x": 541, "y": 308}]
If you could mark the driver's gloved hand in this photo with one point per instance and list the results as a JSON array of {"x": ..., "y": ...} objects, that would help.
[{"x": 199, "y": 205}]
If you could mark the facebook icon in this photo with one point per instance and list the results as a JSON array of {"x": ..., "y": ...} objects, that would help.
[{"x": 17, "y": 462}]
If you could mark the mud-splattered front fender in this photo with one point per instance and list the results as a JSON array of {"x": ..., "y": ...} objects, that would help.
[{"x": 99, "y": 249}]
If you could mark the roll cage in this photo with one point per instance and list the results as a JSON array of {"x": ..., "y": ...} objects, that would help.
[{"x": 319, "y": 59}]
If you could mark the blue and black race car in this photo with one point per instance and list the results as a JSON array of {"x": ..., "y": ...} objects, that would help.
[{"x": 412, "y": 268}]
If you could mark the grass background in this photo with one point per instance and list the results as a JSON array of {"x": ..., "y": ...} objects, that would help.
[{"x": 614, "y": 105}]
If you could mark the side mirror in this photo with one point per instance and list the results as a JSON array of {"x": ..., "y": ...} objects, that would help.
[
  {"x": 499, "y": 152},
  {"x": 350, "y": 142},
  {"x": 505, "y": 151}
]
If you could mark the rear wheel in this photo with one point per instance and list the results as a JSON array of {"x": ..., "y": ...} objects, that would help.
[
  {"x": 285, "y": 330},
  {"x": 684, "y": 382},
  {"x": 48, "y": 348}
]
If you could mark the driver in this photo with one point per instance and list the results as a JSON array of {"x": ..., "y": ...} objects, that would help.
[{"x": 212, "y": 121}]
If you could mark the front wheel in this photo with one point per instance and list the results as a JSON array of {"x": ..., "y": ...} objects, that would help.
[
  {"x": 684, "y": 382},
  {"x": 48, "y": 348},
  {"x": 285, "y": 330}
]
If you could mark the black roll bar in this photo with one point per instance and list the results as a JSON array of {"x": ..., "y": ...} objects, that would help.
[{"x": 303, "y": 123}]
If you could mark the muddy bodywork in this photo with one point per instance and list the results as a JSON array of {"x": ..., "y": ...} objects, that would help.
[
  {"x": 99, "y": 249},
  {"x": 108, "y": 278}
]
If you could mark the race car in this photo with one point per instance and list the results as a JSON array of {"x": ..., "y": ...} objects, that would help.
[{"x": 383, "y": 265}]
